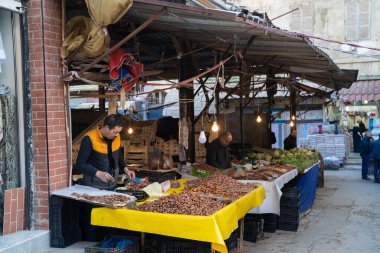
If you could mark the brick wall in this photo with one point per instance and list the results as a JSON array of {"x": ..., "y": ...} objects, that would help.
[
  {"x": 14, "y": 209},
  {"x": 55, "y": 153}
]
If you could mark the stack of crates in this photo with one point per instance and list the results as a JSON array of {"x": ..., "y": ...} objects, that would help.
[
  {"x": 289, "y": 210},
  {"x": 64, "y": 222},
  {"x": 253, "y": 227}
]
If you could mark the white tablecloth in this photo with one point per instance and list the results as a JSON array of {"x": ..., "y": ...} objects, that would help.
[{"x": 273, "y": 193}]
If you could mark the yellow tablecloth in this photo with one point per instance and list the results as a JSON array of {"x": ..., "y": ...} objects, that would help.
[{"x": 213, "y": 228}]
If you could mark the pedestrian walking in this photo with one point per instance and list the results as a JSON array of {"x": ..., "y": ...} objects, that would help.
[
  {"x": 357, "y": 137},
  {"x": 365, "y": 152},
  {"x": 376, "y": 158}
]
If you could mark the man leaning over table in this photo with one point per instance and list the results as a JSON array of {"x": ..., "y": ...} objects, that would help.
[
  {"x": 217, "y": 152},
  {"x": 100, "y": 159}
]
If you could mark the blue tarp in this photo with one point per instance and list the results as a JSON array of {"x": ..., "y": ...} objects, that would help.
[{"x": 307, "y": 184}]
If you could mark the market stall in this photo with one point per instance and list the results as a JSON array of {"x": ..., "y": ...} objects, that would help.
[
  {"x": 207, "y": 210},
  {"x": 273, "y": 193},
  {"x": 307, "y": 184},
  {"x": 213, "y": 228}
]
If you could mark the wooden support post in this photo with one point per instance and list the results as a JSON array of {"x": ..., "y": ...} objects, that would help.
[
  {"x": 186, "y": 110},
  {"x": 112, "y": 105},
  {"x": 241, "y": 124},
  {"x": 293, "y": 106},
  {"x": 102, "y": 101},
  {"x": 195, "y": 64}
]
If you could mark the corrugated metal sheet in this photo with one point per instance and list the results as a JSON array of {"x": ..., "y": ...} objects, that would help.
[
  {"x": 216, "y": 31},
  {"x": 280, "y": 49}
]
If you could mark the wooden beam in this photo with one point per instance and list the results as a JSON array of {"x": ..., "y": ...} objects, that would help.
[
  {"x": 226, "y": 81},
  {"x": 195, "y": 63}
]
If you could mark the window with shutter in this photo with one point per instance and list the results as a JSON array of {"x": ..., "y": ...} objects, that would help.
[
  {"x": 308, "y": 20},
  {"x": 364, "y": 16},
  {"x": 295, "y": 23},
  {"x": 302, "y": 20},
  {"x": 357, "y": 19}
]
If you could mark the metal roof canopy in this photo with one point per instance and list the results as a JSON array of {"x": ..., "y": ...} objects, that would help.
[{"x": 218, "y": 30}]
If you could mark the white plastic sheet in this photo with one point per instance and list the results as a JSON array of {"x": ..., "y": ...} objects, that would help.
[{"x": 273, "y": 193}]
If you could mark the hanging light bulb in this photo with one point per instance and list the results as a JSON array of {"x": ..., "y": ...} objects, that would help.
[
  {"x": 130, "y": 130},
  {"x": 202, "y": 137},
  {"x": 293, "y": 117},
  {"x": 215, "y": 127},
  {"x": 258, "y": 119},
  {"x": 291, "y": 124}
]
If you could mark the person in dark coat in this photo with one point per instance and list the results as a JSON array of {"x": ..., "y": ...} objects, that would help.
[
  {"x": 365, "y": 151},
  {"x": 376, "y": 157},
  {"x": 356, "y": 137},
  {"x": 217, "y": 152},
  {"x": 362, "y": 127},
  {"x": 291, "y": 141}
]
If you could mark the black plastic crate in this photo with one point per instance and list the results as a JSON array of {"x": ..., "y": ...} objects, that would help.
[
  {"x": 133, "y": 248},
  {"x": 291, "y": 192},
  {"x": 289, "y": 200},
  {"x": 159, "y": 176},
  {"x": 292, "y": 217},
  {"x": 287, "y": 226},
  {"x": 270, "y": 222},
  {"x": 232, "y": 242},
  {"x": 253, "y": 228},
  {"x": 167, "y": 244},
  {"x": 270, "y": 227},
  {"x": 269, "y": 217},
  {"x": 63, "y": 222},
  {"x": 284, "y": 208},
  {"x": 177, "y": 245}
]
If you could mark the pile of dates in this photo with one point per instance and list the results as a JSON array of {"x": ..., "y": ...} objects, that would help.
[
  {"x": 201, "y": 196},
  {"x": 221, "y": 185},
  {"x": 189, "y": 203}
]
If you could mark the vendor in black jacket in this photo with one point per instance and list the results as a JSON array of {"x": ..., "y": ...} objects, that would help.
[
  {"x": 217, "y": 152},
  {"x": 100, "y": 160},
  {"x": 100, "y": 157},
  {"x": 291, "y": 141}
]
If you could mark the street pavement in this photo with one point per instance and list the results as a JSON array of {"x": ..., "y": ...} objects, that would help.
[{"x": 345, "y": 218}]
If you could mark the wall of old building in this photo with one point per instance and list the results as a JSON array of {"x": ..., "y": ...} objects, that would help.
[
  {"x": 329, "y": 22},
  {"x": 48, "y": 107}
]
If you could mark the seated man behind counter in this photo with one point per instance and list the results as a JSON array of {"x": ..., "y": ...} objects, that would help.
[
  {"x": 217, "y": 152},
  {"x": 100, "y": 156}
]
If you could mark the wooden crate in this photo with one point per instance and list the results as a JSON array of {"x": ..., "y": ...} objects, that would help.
[{"x": 133, "y": 154}]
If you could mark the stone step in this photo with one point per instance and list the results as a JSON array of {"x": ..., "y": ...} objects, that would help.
[
  {"x": 25, "y": 241},
  {"x": 353, "y": 155},
  {"x": 352, "y": 167},
  {"x": 354, "y": 161}
]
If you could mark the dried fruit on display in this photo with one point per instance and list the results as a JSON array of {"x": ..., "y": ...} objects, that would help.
[
  {"x": 189, "y": 203},
  {"x": 220, "y": 185},
  {"x": 137, "y": 186},
  {"x": 201, "y": 196},
  {"x": 112, "y": 200},
  {"x": 174, "y": 184},
  {"x": 203, "y": 170},
  {"x": 268, "y": 173}
]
